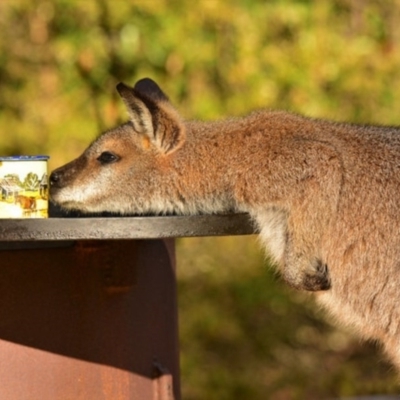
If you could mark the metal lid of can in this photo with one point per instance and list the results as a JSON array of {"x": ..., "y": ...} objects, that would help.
[{"x": 25, "y": 158}]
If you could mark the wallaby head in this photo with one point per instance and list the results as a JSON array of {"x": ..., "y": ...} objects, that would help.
[
  {"x": 127, "y": 162},
  {"x": 323, "y": 194}
]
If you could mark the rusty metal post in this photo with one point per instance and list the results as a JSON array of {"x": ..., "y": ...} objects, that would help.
[{"x": 89, "y": 320}]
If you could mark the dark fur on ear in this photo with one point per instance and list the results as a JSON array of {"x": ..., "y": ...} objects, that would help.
[{"x": 150, "y": 89}]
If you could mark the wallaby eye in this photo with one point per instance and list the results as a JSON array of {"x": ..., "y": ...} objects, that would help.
[{"x": 107, "y": 158}]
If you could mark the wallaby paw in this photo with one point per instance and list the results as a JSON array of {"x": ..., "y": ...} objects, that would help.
[
  {"x": 313, "y": 277},
  {"x": 318, "y": 279}
]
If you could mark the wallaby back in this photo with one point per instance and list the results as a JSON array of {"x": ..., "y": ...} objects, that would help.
[{"x": 324, "y": 194}]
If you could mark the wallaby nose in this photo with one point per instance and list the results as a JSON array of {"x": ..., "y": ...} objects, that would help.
[{"x": 55, "y": 178}]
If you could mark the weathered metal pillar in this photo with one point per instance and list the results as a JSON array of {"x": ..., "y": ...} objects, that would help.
[
  {"x": 89, "y": 320},
  {"x": 88, "y": 306}
]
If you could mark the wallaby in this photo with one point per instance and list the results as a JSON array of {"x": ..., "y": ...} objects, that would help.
[{"x": 324, "y": 195}]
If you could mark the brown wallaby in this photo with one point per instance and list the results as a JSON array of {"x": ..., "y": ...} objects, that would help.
[{"x": 324, "y": 195}]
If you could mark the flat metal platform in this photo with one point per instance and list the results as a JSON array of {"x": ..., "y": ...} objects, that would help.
[{"x": 110, "y": 227}]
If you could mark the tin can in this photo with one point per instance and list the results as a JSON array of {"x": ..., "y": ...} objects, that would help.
[{"x": 24, "y": 187}]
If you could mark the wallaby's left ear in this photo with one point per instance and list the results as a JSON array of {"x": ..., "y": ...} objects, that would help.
[
  {"x": 152, "y": 115},
  {"x": 149, "y": 88}
]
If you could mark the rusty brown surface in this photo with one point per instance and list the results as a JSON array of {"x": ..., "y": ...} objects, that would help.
[{"x": 94, "y": 320}]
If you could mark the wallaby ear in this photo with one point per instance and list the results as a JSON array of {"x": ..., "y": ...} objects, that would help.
[
  {"x": 152, "y": 114},
  {"x": 138, "y": 111},
  {"x": 149, "y": 88}
]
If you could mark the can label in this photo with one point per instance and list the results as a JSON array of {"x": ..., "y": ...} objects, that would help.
[{"x": 24, "y": 188}]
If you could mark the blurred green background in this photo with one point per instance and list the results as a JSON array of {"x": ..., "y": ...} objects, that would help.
[{"x": 244, "y": 335}]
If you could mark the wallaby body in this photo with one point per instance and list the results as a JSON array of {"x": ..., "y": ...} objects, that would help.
[{"x": 324, "y": 195}]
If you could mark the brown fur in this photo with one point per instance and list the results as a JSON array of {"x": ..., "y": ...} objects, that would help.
[{"x": 324, "y": 195}]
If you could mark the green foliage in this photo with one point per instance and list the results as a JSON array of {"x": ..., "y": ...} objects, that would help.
[
  {"x": 31, "y": 181},
  {"x": 243, "y": 335},
  {"x": 61, "y": 59}
]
